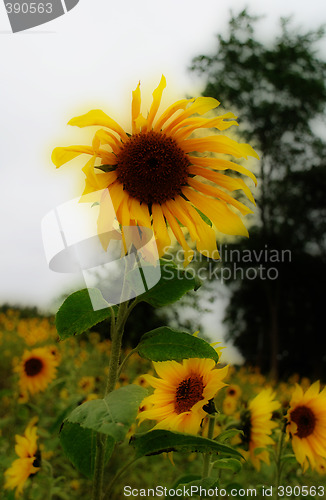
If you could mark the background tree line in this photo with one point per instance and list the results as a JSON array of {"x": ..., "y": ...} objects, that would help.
[{"x": 278, "y": 90}]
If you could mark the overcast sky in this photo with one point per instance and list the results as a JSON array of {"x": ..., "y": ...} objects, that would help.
[{"x": 92, "y": 57}]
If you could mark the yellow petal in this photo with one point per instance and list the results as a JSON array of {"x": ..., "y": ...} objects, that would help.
[
  {"x": 157, "y": 96},
  {"x": 169, "y": 112},
  {"x": 123, "y": 212},
  {"x": 218, "y": 193},
  {"x": 96, "y": 182},
  {"x": 186, "y": 127},
  {"x": 162, "y": 237},
  {"x": 63, "y": 155},
  {"x": 217, "y": 211},
  {"x": 206, "y": 243},
  {"x": 230, "y": 183},
  {"x": 135, "y": 108},
  {"x": 104, "y": 137},
  {"x": 219, "y": 164},
  {"x": 201, "y": 105},
  {"x": 188, "y": 252},
  {"x": 98, "y": 117},
  {"x": 182, "y": 217},
  {"x": 219, "y": 144},
  {"x": 140, "y": 212}
]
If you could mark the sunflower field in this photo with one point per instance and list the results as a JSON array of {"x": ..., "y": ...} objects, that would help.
[{"x": 279, "y": 429}]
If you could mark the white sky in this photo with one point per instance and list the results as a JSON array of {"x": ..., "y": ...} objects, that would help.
[{"x": 92, "y": 57}]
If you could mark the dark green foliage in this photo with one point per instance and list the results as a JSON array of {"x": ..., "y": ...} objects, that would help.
[{"x": 279, "y": 92}]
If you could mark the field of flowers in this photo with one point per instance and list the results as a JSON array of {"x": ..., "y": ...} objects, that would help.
[{"x": 43, "y": 380}]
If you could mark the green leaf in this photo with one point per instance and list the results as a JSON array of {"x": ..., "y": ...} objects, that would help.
[
  {"x": 258, "y": 451},
  {"x": 162, "y": 441},
  {"x": 164, "y": 343},
  {"x": 228, "y": 434},
  {"x": 76, "y": 315},
  {"x": 79, "y": 445},
  {"x": 63, "y": 414},
  {"x": 112, "y": 415},
  {"x": 173, "y": 284},
  {"x": 228, "y": 463},
  {"x": 234, "y": 487},
  {"x": 289, "y": 458},
  {"x": 184, "y": 480},
  {"x": 194, "y": 487}
]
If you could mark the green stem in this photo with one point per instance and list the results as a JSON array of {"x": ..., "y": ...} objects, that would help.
[
  {"x": 207, "y": 456},
  {"x": 99, "y": 466},
  {"x": 279, "y": 465},
  {"x": 118, "y": 474},
  {"x": 126, "y": 359},
  {"x": 117, "y": 329}
]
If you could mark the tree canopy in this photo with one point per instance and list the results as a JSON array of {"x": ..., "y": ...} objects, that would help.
[{"x": 278, "y": 90}]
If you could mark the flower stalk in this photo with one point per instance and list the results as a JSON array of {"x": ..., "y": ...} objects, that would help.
[
  {"x": 117, "y": 329},
  {"x": 207, "y": 456}
]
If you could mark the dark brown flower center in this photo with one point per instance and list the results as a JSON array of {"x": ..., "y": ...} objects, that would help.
[
  {"x": 33, "y": 366},
  {"x": 305, "y": 420},
  {"x": 188, "y": 393},
  {"x": 152, "y": 167}
]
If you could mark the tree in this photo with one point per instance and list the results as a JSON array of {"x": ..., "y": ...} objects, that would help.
[{"x": 279, "y": 93}]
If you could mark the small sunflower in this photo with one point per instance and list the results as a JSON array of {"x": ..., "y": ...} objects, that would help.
[
  {"x": 87, "y": 384},
  {"x": 233, "y": 391},
  {"x": 257, "y": 425},
  {"x": 36, "y": 370},
  {"x": 28, "y": 462},
  {"x": 229, "y": 405},
  {"x": 181, "y": 393},
  {"x": 156, "y": 176},
  {"x": 307, "y": 425}
]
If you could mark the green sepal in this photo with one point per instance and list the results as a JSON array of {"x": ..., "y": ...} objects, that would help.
[
  {"x": 106, "y": 168},
  {"x": 204, "y": 217}
]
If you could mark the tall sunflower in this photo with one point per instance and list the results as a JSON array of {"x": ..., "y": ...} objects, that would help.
[
  {"x": 257, "y": 425},
  {"x": 156, "y": 176},
  {"x": 181, "y": 393},
  {"x": 28, "y": 462},
  {"x": 36, "y": 370},
  {"x": 307, "y": 425}
]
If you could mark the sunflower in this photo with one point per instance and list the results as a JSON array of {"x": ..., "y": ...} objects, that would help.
[
  {"x": 87, "y": 384},
  {"x": 229, "y": 405},
  {"x": 257, "y": 425},
  {"x": 28, "y": 462},
  {"x": 233, "y": 391},
  {"x": 156, "y": 176},
  {"x": 307, "y": 425},
  {"x": 36, "y": 370},
  {"x": 181, "y": 393}
]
